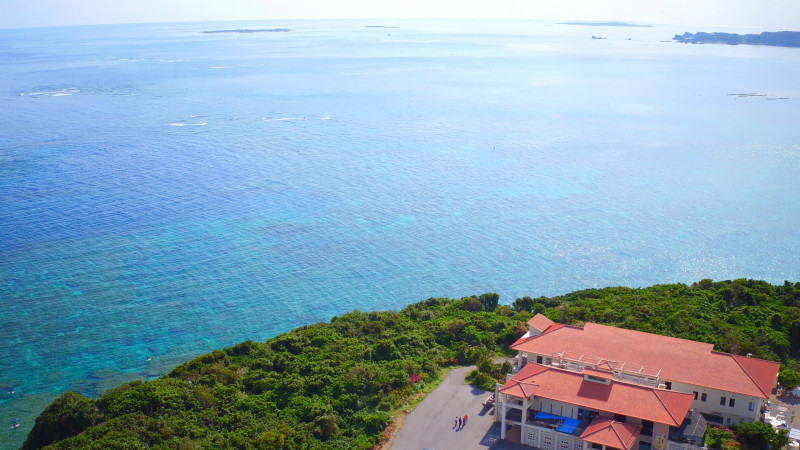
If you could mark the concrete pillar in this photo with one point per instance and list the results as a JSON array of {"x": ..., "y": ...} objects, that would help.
[
  {"x": 524, "y": 410},
  {"x": 503, "y": 420}
]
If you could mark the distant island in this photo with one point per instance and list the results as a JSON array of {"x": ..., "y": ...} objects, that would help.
[
  {"x": 777, "y": 38},
  {"x": 246, "y": 30},
  {"x": 606, "y": 24}
]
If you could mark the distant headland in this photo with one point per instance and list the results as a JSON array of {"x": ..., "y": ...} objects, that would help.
[
  {"x": 777, "y": 38},
  {"x": 606, "y": 24},
  {"x": 246, "y": 30}
]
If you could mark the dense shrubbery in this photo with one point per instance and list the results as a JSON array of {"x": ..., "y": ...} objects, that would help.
[
  {"x": 487, "y": 373},
  {"x": 759, "y": 436},
  {"x": 336, "y": 384},
  {"x": 327, "y": 385}
]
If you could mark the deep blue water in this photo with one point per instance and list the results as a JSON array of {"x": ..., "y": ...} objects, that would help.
[{"x": 165, "y": 192}]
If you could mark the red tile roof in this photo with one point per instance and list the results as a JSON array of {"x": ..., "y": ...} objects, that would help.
[
  {"x": 680, "y": 360},
  {"x": 540, "y": 322},
  {"x": 519, "y": 389},
  {"x": 611, "y": 433},
  {"x": 763, "y": 375},
  {"x": 633, "y": 400}
]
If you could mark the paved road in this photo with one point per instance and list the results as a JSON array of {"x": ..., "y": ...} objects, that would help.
[{"x": 430, "y": 425}]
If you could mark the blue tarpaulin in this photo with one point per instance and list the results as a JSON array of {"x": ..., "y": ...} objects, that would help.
[{"x": 567, "y": 426}]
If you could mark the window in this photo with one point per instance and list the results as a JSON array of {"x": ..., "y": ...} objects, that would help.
[
  {"x": 620, "y": 418},
  {"x": 539, "y": 359},
  {"x": 722, "y": 401},
  {"x": 586, "y": 414},
  {"x": 732, "y": 402},
  {"x": 695, "y": 395},
  {"x": 668, "y": 384},
  {"x": 597, "y": 379},
  {"x": 647, "y": 428},
  {"x": 751, "y": 406},
  {"x": 703, "y": 397}
]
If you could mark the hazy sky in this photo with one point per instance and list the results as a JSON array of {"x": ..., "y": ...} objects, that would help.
[{"x": 770, "y": 15}]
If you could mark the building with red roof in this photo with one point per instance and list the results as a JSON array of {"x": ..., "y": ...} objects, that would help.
[
  {"x": 610, "y": 433},
  {"x": 604, "y": 387}
]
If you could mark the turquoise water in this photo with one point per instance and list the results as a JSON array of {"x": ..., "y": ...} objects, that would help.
[{"x": 165, "y": 192}]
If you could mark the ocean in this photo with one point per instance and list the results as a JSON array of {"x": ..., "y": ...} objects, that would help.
[{"x": 165, "y": 192}]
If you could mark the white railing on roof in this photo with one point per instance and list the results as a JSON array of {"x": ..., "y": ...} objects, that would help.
[{"x": 623, "y": 371}]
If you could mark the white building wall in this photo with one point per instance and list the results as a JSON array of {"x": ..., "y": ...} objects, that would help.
[
  {"x": 533, "y": 357},
  {"x": 547, "y": 439},
  {"x": 738, "y": 413},
  {"x": 554, "y": 407}
]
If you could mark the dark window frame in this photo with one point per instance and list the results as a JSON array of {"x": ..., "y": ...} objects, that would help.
[{"x": 647, "y": 428}]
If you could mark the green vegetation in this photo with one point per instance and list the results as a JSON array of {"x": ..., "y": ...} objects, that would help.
[
  {"x": 789, "y": 379},
  {"x": 720, "y": 438},
  {"x": 337, "y": 384},
  {"x": 747, "y": 436},
  {"x": 488, "y": 373},
  {"x": 760, "y": 435},
  {"x": 327, "y": 385}
]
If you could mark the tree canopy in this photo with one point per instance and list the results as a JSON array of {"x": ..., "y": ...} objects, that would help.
[
  {"x": 326, "y": 385},
  {"x": 337, "y": 384}
]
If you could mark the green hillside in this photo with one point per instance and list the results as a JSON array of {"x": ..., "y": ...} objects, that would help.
[{"x": 337, "y": 384}]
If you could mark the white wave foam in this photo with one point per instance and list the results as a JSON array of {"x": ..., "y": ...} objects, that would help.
[
  {"x": 219, "y": 67},
  {"x": 283, "y": 119},
  {"x": 57, "y": 93},
  {"x": 183, "y": 124}
]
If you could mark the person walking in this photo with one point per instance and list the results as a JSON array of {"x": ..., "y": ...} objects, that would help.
[
  {"x": 465, "y": 419},
  {"x": 459, "y": 421}
]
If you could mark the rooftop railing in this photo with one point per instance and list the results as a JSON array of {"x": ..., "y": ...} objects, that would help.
[{"x": 623, "y": 371}]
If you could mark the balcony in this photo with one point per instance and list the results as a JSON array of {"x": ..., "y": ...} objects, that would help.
[
  {"x": 550, "y": 431},
  {"x": 573, "y": 427}
]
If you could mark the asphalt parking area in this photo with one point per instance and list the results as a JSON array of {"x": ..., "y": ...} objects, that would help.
[{"x": 432, "y": 423}]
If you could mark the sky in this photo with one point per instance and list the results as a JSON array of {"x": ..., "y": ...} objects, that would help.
[{"x": 764, "y": 15}]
